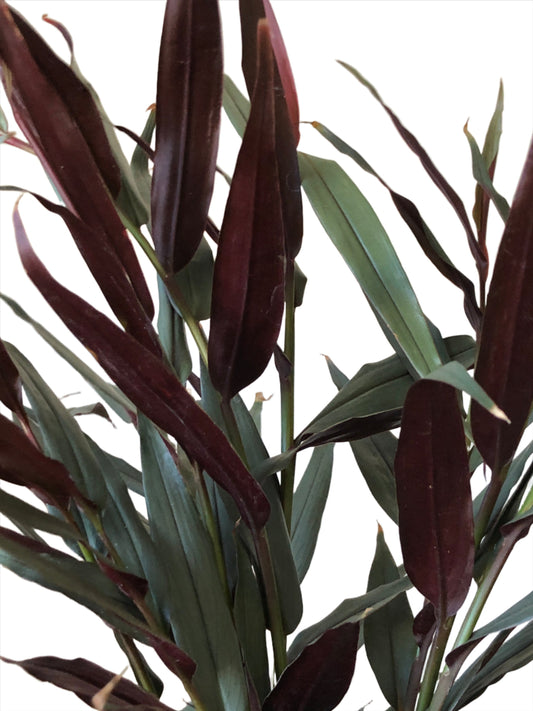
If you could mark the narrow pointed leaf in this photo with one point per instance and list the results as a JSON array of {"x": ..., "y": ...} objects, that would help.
[
  {"x": 434, "y": 500},
  {"x": 320, "y": 676},
  {"x": 356, "y": 231},
  {"x": 350, "y": 610},
  {"x": 375, "y": 458},
  {"x": 10, "y": 392},
  {"x": 506, "y": 346},
  {"x": 389, "y": 640},
  {"x": 439, "y": 180},
  {"x": 309, "y": 503},
  {"x": 68, "y": 137},
  {"x": 481, "y": 174},
  {"x": 412, "y": 217},
  {"x": 23, "y": 514},
  {"x": 197, "y": 607},
  {"x": 189, "y": 99},
  {"x": 108, "y": 392},
  {"x": 236, "y": 106},
  {"x": 85, "y": 679},
  {"x": 153, "y": 388},
  {"x": 248, "y": 287}
]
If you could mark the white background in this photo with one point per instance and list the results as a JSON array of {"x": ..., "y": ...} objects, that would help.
[{"x": 436, "y": 64}]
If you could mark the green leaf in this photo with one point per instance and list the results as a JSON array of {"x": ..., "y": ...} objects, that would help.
[
  {"x": 197, "y": 607},
  {"x": 23, "y": 514},
  {"x": 116, "y": 400},
  {"x": 481, "y": 174},
  {"x": 309, "y": 503},
  {"x": 195, "y": 281},
  {"x": 171, "y": 330},
  {"x": 518, "y": 614},
  {"x": 236, "y": 105},
  {"x": 350, "y": 610},
  {"x": 359, "y": 236},
  {"x": 375, "y": 458},
  {"x": 389, "y": 639}
]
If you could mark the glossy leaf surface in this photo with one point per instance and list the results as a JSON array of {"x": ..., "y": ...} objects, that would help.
[
  {"x": 248, "y": 286},
  {"x": 153, "y": 388},
  {"x": 389, "y": 641},
  {"x": 320, "y": 676},
  {"x": 189, "y": 99},
  {"x": 506, "y": 347},
  {"x": 356, "y": 231},
  {"x": 434, "y": 500}
]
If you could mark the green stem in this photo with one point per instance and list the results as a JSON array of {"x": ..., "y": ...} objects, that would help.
[
  {"x": 272, "y": 599},
  {"x": 487, "y": 506},
  {"x": 287, "y": 397},
  {"x": 137, "y": 663},
  {"x": 436, "y": 654}
]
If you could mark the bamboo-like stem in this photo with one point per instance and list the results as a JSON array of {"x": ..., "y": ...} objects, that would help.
[
  {"x": 487, "y": 505},
  {"x": 436, "y": 654},
  {"x": 287, "y": 397}
]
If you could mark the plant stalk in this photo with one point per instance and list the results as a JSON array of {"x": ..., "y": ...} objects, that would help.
[
  {"x": 287, "y": 396},
  {"x": 436, "y": 654}
]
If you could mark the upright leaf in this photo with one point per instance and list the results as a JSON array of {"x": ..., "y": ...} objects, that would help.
[
  {"x": 389, "y": 641},
  {"x": 356, "y": 231},
  {"x": 434, "y": 501},
  {"x": 248, "y": 286},
  {"x": 189, "y": 99},
  {"x": 320, "y": 676},
  {"x": 503, "y": 366},
  {"x": 68, "y": 137}
]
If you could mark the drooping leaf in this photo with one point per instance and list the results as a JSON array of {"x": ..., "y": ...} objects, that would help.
[
  {"x": 23, "y": 515},
  {"x": 309, "y": 503},
  {"x": 412, "y": 217},
  {"x": 153, "y": 388},
  {"x": 356, "y": 231},
  {"x": 197, "y": 606},
  {"x": 434, "y": 500},
  {"x": 248, "y": 286},
  {"x": 10, "y": 392},
  {"x": 389, "y": 640},
  {"x": 68, "y": 137},
  {"x": 85, "y": 679},
  {"x": 189, "y": 99},
  {"x": 350, "y": 610},
  {"x": 439, "y": 180},
  {"x": 320, "y": 676},
  {"x": 506, "y": 346}
]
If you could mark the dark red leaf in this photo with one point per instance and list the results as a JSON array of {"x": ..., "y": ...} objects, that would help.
[
  {"x": 434, "y": 499},
  {"x": 503, "y": 366},
  {"x": 353, "y": 428},
  {"x": 85, "y": 679},
  {"x": 61, "y": 122},
  {"x": 131, "y": 585},
  {"x": 320, "y": 676},
  {"x": 189, "y": 100},
  {"x": 248, "y": 285},
  {"x": 286, "y": 114},
  {"x": 152, "y": 388},
  {"x": 108, "y": 271},
  {"x": 23, "y": 464},
  {"x": 10, "y": 388}
]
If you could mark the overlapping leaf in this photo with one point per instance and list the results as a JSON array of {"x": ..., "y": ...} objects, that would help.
[
  {"x": 153, "y": 388},
  {"x": 68, "y": 137},
  {"x": 356, "y": 231},
  {"x": 189, "y": 99},
  {"x": 320, "y": 676},
  {"x": 434, "y": 500},
  {"x": 506, "y": 346},
  {"x": 248, "y": 286}
]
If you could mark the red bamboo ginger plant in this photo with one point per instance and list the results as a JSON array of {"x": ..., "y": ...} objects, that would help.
[{"x": 209, "y": 574}]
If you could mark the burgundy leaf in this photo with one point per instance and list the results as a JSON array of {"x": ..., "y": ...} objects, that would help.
[
  {"x": 353, "y": 428},
  {"x": 85, "y": 679},
  {"x": 108, "y": 271},
  {"x": 503, "y": 366},
  {"x": 61, "y": 122},
  {"x": 10, "y": 388},
  {"x": 320, "y": 676},
  {"x": 23, "y": 464},
  {"x": 189, "y": 100},
  {"x": 154, "y": 389},
  {"x": 131, "y": 585},
  {"x": 248, "y": 284},
  {"x": 434, "y": 500},
  {"x": 286, "y": 114}
]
